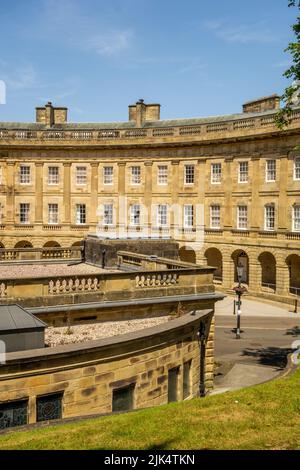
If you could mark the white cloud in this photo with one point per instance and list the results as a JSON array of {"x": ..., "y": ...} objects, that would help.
[
  {"x": 68, "y": 21},
  {"x": 241, "y": 33},
  {"x": 23, "y": 77},
  {"x": 108, "y": 43},
  {"x": 193, "y": 65}
]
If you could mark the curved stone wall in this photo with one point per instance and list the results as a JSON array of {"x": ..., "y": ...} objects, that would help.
[{"x": 87, "y": 375}]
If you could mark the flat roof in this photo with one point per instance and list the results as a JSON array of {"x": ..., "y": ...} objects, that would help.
[{"x": 24, "y": 271}]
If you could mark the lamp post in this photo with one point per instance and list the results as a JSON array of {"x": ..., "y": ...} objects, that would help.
[
  {"x": 202, "y": 339},
  {"x": 239, "y": 290}
]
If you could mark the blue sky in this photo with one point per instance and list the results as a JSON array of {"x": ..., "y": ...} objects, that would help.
[{"x": 194, "y": 57}]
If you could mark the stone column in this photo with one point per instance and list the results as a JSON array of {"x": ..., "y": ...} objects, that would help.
[
  {"x": 282, "y": 201},
  {"x": 282, "y": 278},
  {"x": 200, "y": 258},
  {"x": 38, "y": 193},
  {"x": 228, "y": 194},
  {"x": 10, "y": 193},
  {"x": 255, "y": 205},
  {"x": 175, "y": 187},
  {"x": 148, "y": 193},
  {"x": 255, "y": 274},
  {"x": 67, "y": 193},
  {"x": 228, "y": 270},
  {"x": 93, "y": 217},
  {"x": 121, "y": 221}
]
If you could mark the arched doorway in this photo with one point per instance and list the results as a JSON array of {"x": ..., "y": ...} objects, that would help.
[
  {"x": 240, "y": 258},
  {"x": 23, "y": 244},
  {"x": 293, "y": 262},
  {"x": 214, "y": 258},
  {"x": 76, "y": 244},
  {"x": 52, "y": 244},
  {"x": 187, "y": 254},
  {"x": 268, "y": 270}
]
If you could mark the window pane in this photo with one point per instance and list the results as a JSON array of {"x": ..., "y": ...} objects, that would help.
[
  {"x": 242, "y": 222},
  {"x": 13, "y": 414},
  {"x": 49, "y": 407},
  {"x": 269, "y": 218},
  {"x": 188, "y": 216},
  {"x": 53, "y": 175},
  {"x": 108, "y": 173},
  {"x": 296, "y": 218},
  {"x": 123, "y": 399},
  {"x": 173, "y": 384},
  {"x": 297, "y": 169},
  {"x": 271, "y": 170},
  {"x": 80, "y": 214},
  {"x": 135, "y": 213},
  {"x": 24, "y": 174},
  {"x": 24, "y": 213},
  {"x": 136, "y": 175},
  {"x": 53, "y": 213},
  {"x": 162, "y": 215},
  {"x": 215, "y": 216},
  {"x": 81, "y": 175},
  {"x": 162, "y": 175},
  {"x": 243, "y": 172},
  {"x": 189, "y": 174},
  {"x": 216, "y": 172},
  {"x": 108, "y": 214}
]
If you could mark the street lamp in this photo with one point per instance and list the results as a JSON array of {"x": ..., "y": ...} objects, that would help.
[
  {"x": 202, "y": 340},
  {"x": 239, "y": 290}
]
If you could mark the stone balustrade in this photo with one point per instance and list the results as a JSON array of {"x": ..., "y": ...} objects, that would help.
[
  {"x": 49, "y": 253},
  {"x": 156, "y": 280},
  {"x": 65, "y": 286},
  {"x": 203, "y": 131},
  {"x": 110, "y": 285}
]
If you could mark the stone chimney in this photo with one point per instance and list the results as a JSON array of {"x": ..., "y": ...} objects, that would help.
[
  {"x": 49, "y": 115},
  {"x": 141, "y": 112},
  {"x": 267, "y": 103}
]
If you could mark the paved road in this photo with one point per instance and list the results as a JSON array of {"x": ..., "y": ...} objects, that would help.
[
  {"x": 267, "y": 334},
  {"x": 264, "y": 340}
]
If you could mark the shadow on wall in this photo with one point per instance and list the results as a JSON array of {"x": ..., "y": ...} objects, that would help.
[{"x": 271, "y": 356}]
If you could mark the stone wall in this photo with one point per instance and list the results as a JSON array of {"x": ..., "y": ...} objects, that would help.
[
  {"x": 88, "y": 373},
  {"x": 94, "y": 248}
]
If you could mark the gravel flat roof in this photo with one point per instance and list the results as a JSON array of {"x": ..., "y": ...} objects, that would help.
[{"x": 23, "y": 271}]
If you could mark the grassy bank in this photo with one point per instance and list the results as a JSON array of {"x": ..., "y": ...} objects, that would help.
[{"x": 261, "y": 417}]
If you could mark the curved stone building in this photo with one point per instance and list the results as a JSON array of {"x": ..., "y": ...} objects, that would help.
[{"x": 227, "y": 188}]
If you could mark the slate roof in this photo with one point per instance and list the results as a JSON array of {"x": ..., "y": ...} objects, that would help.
[
  {"x": 14, "y": 318},
  {"x": 131, "y": 124}
]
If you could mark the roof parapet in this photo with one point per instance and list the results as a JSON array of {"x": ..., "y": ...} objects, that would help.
[{"x": 266, "y": 103}]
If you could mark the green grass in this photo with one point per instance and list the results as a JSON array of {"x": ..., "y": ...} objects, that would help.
[{"x": 262, "y": 417}]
